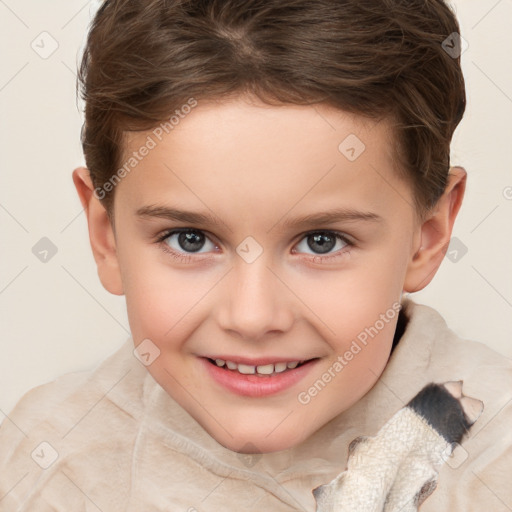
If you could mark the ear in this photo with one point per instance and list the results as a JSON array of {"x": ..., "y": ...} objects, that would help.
[
  {"x": 101, "y": 233},
  {"x": 433, "y": 235}
]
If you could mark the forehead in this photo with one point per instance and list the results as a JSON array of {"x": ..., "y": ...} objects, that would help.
[
  {"x": 244, "y": 152},
  {"x": 245, "y": 119}
]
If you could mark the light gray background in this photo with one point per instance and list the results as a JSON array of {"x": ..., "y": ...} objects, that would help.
[{"x": 56, "y": 317}]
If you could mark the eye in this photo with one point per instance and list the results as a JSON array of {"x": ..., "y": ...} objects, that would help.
[
  {"x": 187, "y": 240},
  {"x": 322, "y": 242},
  {"x": 183, "y": 243}
]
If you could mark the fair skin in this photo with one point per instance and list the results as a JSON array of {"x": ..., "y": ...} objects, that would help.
[{"x": 255, "y": 168}]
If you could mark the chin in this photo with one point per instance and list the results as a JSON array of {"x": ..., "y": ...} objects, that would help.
[{"x": 259, "y": 442}]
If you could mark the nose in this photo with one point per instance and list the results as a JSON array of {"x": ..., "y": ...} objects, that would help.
[{"x": 255, "y": 302}]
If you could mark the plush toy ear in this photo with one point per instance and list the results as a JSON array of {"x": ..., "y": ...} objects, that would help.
[
  {"x": 325, "y": 495},
  {"x": 472, "y": 408},
  {"x": 408, "y": 448},
  {"x": 321, "y": 494},
  {"x": 454, "y": 387},
  {"x": 355, "y": 442},
  {"x": 428, "y": 488},
  {"x": 319, "y": 491}
]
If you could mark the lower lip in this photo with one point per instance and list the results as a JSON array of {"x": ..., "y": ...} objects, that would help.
[{"x": 253, "y": 385}]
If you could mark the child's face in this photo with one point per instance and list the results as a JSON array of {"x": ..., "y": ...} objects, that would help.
[{"x": 254, "y": 288}]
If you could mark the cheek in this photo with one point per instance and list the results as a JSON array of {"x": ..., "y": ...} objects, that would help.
[
  {"x": 160, "y": 305},
  {"x": 342, "y": 303},
  {"x": 364, "y": 339},
  {"x": 159, "y": 299},
  {"x": 356, "y": 310}
]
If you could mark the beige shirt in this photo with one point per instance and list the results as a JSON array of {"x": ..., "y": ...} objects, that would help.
[{"x": 113, "y": 440}]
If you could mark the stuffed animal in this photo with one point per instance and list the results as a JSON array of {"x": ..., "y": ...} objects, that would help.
[{"x": 396, "y": 470}]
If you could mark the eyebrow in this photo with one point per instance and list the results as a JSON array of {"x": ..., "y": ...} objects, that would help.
[
  {"x": 165, "y": 212},
  {"x": 331, "y": 216},
  {"x": 207, "y": 219}
]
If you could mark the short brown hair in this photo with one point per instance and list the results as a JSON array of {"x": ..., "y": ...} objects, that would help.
[{"x": 378, "y": 58}]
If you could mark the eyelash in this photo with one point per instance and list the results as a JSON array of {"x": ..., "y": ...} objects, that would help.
[{"x": 189, "y": 257}]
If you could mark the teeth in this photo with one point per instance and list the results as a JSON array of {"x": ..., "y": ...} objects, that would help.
[
  {"x": 246, "y": 369},
  {"x": 265, "y": 369},
  {"x": 279, "y": 367}
]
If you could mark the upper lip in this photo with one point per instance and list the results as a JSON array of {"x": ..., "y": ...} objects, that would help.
[{"x": 259, "y": 361}]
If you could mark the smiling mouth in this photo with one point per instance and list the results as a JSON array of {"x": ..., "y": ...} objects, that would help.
[{"x": 265, "y": 370}]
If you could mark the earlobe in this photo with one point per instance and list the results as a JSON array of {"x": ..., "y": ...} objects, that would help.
[
  {"x": 433, "y": 236},
  {"x": 101, "y": 233}
]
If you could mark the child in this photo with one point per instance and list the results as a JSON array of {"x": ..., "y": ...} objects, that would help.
[{"x": 303, "y": 145}]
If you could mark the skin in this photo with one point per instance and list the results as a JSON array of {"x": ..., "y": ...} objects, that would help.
[{"x": 255, "y": 167}]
